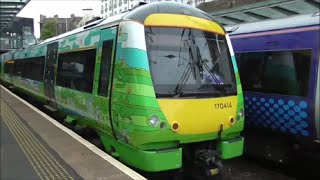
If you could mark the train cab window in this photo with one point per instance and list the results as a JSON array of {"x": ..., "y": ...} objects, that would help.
[
  {"x": 76, "y": 70},
  {"x": 190, "y": 62},
  {"x": 105, "y": 67},
  {"x": 276, "y": 72}
]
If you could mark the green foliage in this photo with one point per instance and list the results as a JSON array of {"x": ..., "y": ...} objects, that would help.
[{"x": 49, "y": 29}]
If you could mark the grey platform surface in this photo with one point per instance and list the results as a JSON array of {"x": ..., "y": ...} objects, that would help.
[{"x": 34, "y": 148}]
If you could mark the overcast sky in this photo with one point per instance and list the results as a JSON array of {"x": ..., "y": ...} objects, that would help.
[{"x": 63, "y": 8}]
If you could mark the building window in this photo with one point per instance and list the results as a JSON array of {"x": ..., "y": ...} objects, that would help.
[
  {"x": 276, "y": 72},
  {"x": 76, "y": 70},
  {"x": 115, "y": 3}
]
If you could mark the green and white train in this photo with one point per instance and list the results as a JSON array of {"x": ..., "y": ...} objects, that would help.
[{"x": 159, "y": 84}]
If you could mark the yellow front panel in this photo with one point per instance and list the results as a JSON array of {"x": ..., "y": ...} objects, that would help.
[
  {"x": 183, "y": 21},
  {"x": 198, "y": 116}
]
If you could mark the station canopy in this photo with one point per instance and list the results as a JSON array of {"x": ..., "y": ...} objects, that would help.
[
  {"x": 244, "y": 11},
  {"x": 9, "y": 9}
]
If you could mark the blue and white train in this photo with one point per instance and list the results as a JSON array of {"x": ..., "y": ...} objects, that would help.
[{"x": 279, "y": 67}]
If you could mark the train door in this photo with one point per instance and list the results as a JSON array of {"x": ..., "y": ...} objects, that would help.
[
  {"x": 104, "y": 72},
  {"x": 317, "y": 100},
  {"x": 11, "y": 69},
  {"x": 1, "y": 60},
  {"x": 49, "y": 75}
]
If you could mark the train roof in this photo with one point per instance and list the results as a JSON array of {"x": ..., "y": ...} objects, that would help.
[
  {"x": 269, "y": 25},
  {"x": 138, "y": 13},
  {"x": 142, "y": 12},
  {"x": 91, "y": 25}
]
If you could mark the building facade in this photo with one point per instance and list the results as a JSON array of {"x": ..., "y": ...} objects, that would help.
[
  {"x": 63, "y": 24},
  {"x": 113, "y": 7},
  {"x": 17, "y": 34}
]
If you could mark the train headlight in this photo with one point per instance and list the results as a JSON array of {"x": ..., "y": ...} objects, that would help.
[
  {"x": 154, "y": 120},
  {"x": 240, "y": 114}
]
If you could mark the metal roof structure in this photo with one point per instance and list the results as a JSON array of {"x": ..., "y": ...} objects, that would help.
[
  {"x": 245, "y": 11},
  {"x": 304, "y": 20},
  {"x": 9, "y": 9}
]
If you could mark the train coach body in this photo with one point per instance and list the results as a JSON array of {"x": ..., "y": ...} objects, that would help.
[{"x": 278, "y": 61}]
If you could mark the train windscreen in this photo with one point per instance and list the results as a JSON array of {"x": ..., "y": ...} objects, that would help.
[{"x": 189, "y": 62}]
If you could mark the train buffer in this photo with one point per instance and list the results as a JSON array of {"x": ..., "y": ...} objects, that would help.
[{"x": 35, "y": 146}]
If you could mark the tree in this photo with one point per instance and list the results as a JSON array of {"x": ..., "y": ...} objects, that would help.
[{"x": 49, "y": 29}]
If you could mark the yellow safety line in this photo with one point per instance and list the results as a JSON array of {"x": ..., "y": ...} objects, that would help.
[
  {"x": 29, "y": 156},
  {"x": 43, "y": 150},
  {"x": 23, "y": 149},
  {"x": 33, "y": 141},
  {"x": 38, "y": 146},
  {"x": 120, "y": 166},
  {"x": 33, "y": 149},
  {"x": 29, "y": 149}
]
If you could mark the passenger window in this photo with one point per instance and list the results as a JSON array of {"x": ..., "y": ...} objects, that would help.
[
  {"x": 276, "y": 72},
  {"x": 76, "y": 70},
  {"x": 8, "y": 67},
  {"x": 18, "y": 68},
  {"x": 105, "y": 67},
  {"x": 37, "y": 69},
  {"x": 29, "y": 68}
]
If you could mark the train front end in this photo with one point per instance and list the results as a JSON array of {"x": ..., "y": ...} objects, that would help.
[
  {"x": 195, "y": 83},
  {"x": 185, "y": 92}
]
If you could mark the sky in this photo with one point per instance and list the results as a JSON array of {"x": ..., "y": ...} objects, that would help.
[{"x": 63, "y": 8}]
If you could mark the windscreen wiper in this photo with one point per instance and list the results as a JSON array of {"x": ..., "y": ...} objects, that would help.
[
  {"x": 202, "y": 62},
  {"x": 178, "y": 89},
  {"x": 191, "y": 67}
]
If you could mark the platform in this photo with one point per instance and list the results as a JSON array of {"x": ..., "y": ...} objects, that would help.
[{"x": 35, "y": 146}]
